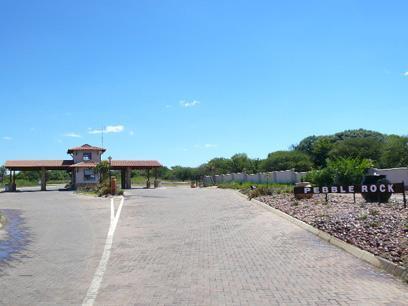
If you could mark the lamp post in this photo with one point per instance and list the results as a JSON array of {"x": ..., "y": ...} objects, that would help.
[{"x": 110, "y": 165}]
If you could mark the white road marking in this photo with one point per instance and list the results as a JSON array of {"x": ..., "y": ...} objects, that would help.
[{"x": 100, "y": 271}]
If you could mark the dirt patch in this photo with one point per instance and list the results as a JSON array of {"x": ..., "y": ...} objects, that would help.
[{"x": 381, "y": 229}]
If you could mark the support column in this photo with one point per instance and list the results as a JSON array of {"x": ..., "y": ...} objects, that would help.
[
  {"x": 148, "y": 178},
  {"x": 13, "y": 184},
  {"x": 73, "y": 178},
  {"x": 10, "y": 180},
  {"x": 156, "y": 174},
  {"x": 128, "y": 180},
  {"x": 43, "y": 179},
  {"x": 122, "y": 179}
]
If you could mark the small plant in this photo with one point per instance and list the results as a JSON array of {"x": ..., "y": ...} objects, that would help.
[
  {"x": 295, "y": 203},
  {"x": 374, "y": 224},
  {"x": 373, "y": 212},
  {"x": 362, "y": 217},
  {"x": 260, "y": 191}
]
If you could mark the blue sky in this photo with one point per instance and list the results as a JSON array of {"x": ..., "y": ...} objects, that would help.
[{"x": 186, "y": 81}]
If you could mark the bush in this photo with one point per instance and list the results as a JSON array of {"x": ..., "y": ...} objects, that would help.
[
  {"x": 320, "y": 177},
  {"x": 103, "y": 189},
  {"x": 286, "y": 160},
  {"x": 342, "y": 171},
  {"x": 260, "y": 191}
]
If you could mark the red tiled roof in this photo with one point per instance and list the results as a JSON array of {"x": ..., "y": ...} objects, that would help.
[
  {"x": 84, "y": 165},
  {"x": 38, "y": 164},
  {"x": 135, "y": 163},
  {"x": 85, "y": 147}
]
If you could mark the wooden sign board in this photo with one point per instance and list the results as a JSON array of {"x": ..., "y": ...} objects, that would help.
[{"x": 369, "y": 188}]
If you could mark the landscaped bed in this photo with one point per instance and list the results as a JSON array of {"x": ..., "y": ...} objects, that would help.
[{"x": 381, "y": 229}]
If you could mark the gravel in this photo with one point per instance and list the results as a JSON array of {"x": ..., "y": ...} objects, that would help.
[{"x": 381, "y": 229}]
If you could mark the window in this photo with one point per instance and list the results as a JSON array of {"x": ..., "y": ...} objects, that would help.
[
  {"x": 87, "y": 156},
  {"x": 89, "y": 174}
]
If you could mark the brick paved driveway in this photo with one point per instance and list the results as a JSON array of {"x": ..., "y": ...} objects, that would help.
[{"x": 182, "y": 246}]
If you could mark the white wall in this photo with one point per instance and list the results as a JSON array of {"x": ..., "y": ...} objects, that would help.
[
  {"x": 79, "y": 177},
  {"x": 283, "y": 177},
  {"x": 394, "y": 175},
  {"x": 79, "y": 155}
]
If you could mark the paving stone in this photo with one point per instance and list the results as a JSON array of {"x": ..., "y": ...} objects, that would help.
[{"x": 212, "y": 247}]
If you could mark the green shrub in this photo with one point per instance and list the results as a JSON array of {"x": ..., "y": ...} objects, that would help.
[
  {"x": 102, "y": 189},
  {"x": 320, "y": 177},
  {"x": 349, "y": 171},
  {"x": 260, "y": 191},
  {"x": 342, "y": 171}
]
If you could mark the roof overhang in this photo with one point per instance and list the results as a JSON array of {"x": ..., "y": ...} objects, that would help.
[
  {"x": 135, "y": 164},
  {"x": 20, "y": 165},
  {"x": 85, "y": 147}
]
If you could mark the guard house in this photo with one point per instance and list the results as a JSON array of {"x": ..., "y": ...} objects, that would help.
[
  {"x": 85, "y": 158},
  {"x": 82, "y": 167}
]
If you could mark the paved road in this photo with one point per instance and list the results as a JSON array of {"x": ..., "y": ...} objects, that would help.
[
  {"x": 65, "y": 234},
  {"x": 180, "y": 246}
]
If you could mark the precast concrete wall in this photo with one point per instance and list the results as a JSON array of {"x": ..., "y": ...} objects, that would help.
[
  {"x": 282, "y": 177},
  {"x": 394, "y": 175}
]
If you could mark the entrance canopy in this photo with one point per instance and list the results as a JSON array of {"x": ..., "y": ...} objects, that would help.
[
  {"x": 134, "y": 164},
  {"x": 21, "y": 165}
]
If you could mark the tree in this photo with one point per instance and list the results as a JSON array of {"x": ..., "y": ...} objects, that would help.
[
  {"x": 32, "y": 176},
  {"x": 320, "y": 151},
  {"x": 182, "y": 173},
  {"x": 306, "y": 145},
  {"x": 362, "y": 148},
  {"x": 240, "y": 163},
  {"x": 342, "y": 171},
  {"x": 220, "y": 165},
  {"x": 58, "y": 175},
  {"x": 395, "y": 153},
  {"x": 286, "y": 160},
  {"x": 3, "y": 172},
  {"x": 359, "y": 133},
  {"x": 103, "y": 169}
]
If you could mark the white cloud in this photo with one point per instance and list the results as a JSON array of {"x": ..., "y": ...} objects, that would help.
[
  {"x": 210, "y": 145},
  {"x": 205, "y": 146},
  {"x": 108, "y": 129},
  {"x": 7, "y": 138},
  {"x": 406, "y": 73},
  {"x": 72, "y": 134},
  {"x": 186, "y": 104}
]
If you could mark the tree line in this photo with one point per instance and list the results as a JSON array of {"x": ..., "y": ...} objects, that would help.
[{"x": 311, "y": 153}]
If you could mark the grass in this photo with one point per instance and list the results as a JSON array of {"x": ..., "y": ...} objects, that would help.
[
  {"x": 139, "y": 180},
  {"x": 260, "y": 190},
  {"x": 21, "y": 183},
  {"x": 28, "y": 183},
  {"x": 282, "y": 188}
]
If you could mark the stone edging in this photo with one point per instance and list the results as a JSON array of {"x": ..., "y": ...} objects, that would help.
[{"x": 372, "y": 259}]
